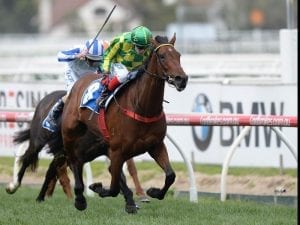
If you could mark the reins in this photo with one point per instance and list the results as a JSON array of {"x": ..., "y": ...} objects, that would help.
[
  {"x": 137, "y": 116},
  {"x": 165, "y": 77}
]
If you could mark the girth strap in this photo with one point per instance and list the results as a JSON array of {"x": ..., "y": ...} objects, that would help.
[{"x": 102, "y": 124}]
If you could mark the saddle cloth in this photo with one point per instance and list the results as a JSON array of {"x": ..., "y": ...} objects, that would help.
[{"x": 93, "y": 92}]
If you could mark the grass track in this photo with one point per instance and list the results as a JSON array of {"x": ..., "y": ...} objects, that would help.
[
  {"x": 98, "y": 167},
  {"x": 21, "y": 209}
]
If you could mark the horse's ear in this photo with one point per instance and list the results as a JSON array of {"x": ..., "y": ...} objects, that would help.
[{"x": 173, "y": 39}]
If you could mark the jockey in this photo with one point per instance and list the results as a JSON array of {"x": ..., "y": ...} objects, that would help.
[
  {"x": 126, "y": 52},
  {"x": 80, "y": 60}
]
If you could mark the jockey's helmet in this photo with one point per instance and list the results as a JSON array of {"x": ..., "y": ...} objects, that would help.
[
  {"x": 96, "y": 50},
  {"x": 140, "y": 36}
]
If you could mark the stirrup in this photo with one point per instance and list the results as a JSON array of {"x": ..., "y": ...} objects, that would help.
[
  {"x": 49, "y": 126},
  {"x": 102, "y": 102}
]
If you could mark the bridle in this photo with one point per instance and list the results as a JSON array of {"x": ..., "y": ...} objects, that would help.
[{"x": 165, "y": 76}]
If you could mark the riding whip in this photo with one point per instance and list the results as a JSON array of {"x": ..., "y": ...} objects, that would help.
[{"x": 107, "y": 18}]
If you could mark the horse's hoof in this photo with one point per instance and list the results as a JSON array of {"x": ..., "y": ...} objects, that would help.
[
  {"x": 96, "y": 187},
  {"x": 132, "y": 209},
  {"x": 80, "y": 205},
  {"x": 10, "y": 191},
  {"x": 102, "y": 192},
  {"x": 144, "y": 199},
  {"x": 80, "y": 202},
  {"x": 11, "y": 188},
  {"x": 155, "y": 193},
  {"x": 40, "y": 200}
]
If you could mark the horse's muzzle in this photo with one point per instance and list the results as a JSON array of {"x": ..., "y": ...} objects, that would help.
[{"x": 180, "y": 82}]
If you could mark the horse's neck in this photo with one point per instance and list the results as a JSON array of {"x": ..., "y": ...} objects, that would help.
[{"x": 149, "y": 95}]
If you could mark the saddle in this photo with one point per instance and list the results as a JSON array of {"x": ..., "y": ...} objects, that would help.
[
  {"x": 93, "y": 92},
  {"x": 90, "y": 99}
]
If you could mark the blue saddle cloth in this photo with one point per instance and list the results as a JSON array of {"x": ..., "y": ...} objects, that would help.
[
  {"x": 90, "y": 96},
  {"x": 92, "y": 93}
]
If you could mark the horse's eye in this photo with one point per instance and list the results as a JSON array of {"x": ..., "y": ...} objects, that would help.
[{"x": 162, "y": 57}]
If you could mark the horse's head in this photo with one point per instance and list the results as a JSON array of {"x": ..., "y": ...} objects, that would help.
[{"x": 169, "y": 62}]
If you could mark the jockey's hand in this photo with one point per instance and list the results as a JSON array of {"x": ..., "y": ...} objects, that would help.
[
  {"x": 106, "y": 74},
  {"x": 105, "y": 79},
  {"x": 82, "y": 54}
]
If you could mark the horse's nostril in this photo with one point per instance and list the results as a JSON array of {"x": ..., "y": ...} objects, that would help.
[{"x": 178, "y": 78}]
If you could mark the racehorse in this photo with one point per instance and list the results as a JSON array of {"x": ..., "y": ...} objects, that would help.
[
  {"x": 135, "y": 120},
  {"x": 88, "y": 149},
  {"x": 38, "y": 137}
]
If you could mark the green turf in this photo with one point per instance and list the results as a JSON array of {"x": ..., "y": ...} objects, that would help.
[
  {"x": 21, "y": 209},
  {"x": 99, "y": 167}
]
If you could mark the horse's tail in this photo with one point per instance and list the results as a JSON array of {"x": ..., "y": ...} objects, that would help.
[{"x": 21, "y": 136}]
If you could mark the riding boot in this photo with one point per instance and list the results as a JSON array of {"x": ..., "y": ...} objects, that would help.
[
  {"x": 113, "y": 83},
  {"x": 50, "y": 122},
  {"x": 103, "y": 96}
]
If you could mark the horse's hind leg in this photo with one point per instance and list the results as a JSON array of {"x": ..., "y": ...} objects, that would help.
[
  {"x": 14, "y": 185},
  {"x": 30, "y": 157},
  {"x": 128, "y": 195},
  {"x": 58, "y": 161},
  {"x": 64, "y": 180},
  {"x": 160, "y": 155},
  {"x": 80, "y": 201},
  {"x": 51, "y": 187},
  {"x": 50, "y": 175},
  {"x": 138, "y": 188}
]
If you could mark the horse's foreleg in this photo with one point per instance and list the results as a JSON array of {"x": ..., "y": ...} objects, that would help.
[
  {"x": 160, "y": 155},
  {"x": 115, "y": 169}
]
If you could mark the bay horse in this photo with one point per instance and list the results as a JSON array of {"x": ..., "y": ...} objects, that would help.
[
  {"x": 38, "y": 137},
  {"x": 135, "y": 120},
  {"x": 87, "y": 150}
]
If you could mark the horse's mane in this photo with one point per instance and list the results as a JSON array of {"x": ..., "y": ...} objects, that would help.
[{"x": 161, "y": 39}]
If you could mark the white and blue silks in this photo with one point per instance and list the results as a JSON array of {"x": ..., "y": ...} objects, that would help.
[{"x": 75, "y": 67}]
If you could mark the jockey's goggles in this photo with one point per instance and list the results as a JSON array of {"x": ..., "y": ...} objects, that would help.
[
  {"x": 141, "y": 47},
  {"x": 94, "y": 63}
]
